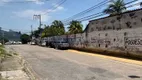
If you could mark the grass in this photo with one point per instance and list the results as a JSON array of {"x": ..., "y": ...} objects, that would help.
[{"x": 2, "y": 52}]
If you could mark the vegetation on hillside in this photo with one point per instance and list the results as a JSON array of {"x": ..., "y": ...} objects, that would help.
[
  {"x": 5, "y": 40},
  {"x": 10, "y": 35}
]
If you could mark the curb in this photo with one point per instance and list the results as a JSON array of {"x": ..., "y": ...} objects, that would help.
[
  {"x": 130, "y": 61},
  {"x": 27, "y": 69}
]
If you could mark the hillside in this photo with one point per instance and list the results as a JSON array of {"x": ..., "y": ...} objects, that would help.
[{"x": 10, "y": 35}]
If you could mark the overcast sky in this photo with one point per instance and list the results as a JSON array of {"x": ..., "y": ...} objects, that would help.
[{"x": 19, "y": 16}]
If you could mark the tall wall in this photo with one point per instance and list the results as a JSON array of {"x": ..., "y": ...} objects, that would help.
[{"x": 120, "y": 32}]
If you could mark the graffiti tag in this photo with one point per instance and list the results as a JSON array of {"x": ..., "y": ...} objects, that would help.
[
  {"x": 133, "y": 41},
  {"x": 100, "y": 41}
]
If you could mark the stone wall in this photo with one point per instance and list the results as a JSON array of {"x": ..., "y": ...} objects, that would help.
[{"x": 121, "y": 32}]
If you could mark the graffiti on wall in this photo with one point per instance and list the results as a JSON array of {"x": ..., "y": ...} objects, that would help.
[
  {"x": 101, "y": 41},
  {"x": 133, "y": 41}
]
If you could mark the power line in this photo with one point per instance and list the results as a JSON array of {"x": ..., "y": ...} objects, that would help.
[
  {"x": 24, "y": 1},
  {"x": 52, "y": 9},
  {"x": 56, "y": 6},
  {"x": 100, "y": 13},
  {"x": 88, "y": 10}
]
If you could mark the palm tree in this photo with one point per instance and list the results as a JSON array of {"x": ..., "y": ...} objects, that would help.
[
  {"x": 115, "y": 7},
  {"x": 75, "y": 27},
  {"x": 58, "y": 27}
]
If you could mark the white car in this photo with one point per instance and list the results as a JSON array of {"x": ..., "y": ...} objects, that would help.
[{"x": 32, "y": 43}]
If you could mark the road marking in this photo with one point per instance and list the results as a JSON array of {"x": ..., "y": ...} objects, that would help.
[{"x": 108, "y": 57}]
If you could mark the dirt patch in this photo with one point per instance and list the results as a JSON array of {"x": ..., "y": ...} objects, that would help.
[{"x": 12, "y": 66}]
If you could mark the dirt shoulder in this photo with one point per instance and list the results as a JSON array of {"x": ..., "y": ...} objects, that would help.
[{"x": 12, "y": 66}]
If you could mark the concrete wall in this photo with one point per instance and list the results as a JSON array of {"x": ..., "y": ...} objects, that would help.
[{"x": 122, "y": 32}]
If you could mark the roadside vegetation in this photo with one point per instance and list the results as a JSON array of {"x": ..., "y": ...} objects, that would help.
[
  {"x": 3, "y": 53},
  {"x": 25, "y": 38},
  {"x": 57, "y": 28}
]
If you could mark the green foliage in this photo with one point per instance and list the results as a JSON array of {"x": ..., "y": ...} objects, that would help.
[
  {"x": 115, "y": 7},
  {"x": 46, "y": 31},
  {"x": 57, "y": 28},
  {"x": 75, "y": 27},
  {"x": 2, "y": 52},
  {"x": 37, "y": 33},
  {"x": 25, "y": 38}
]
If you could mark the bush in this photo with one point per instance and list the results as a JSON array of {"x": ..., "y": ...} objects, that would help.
[
  {"x": 2, "y": 51},
  {"x": 25, "y": 38}
]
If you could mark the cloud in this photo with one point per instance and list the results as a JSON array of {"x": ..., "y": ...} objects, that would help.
[
  {"x": 2, "y": 2},
  {"x": 28, "y": 14},
  {"x": 55, "y": 8},
  {"x": 37, "y": 2}
]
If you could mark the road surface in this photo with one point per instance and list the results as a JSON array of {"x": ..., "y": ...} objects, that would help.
[{"x": 51, "y": 64}]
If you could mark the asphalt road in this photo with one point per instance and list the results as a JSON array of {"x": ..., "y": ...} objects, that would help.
[{"x": 51, "y": 64}]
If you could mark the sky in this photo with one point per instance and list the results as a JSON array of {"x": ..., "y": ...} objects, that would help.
[{"x": 18, "y": 16}]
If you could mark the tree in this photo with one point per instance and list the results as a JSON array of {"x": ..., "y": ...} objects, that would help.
[
  {"x": 115, "y": 7},
  {"x": 57, "y": 28},
  {"x": 25, "y": 38},
  {"x": 46, "y": 31},
  {"x": 75, "y": 27},
  {"x": 37, "y": 33}
]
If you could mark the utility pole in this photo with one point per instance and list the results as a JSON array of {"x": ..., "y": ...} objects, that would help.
[
  {"x": 38, "y": 17},
  {"x": 2, "y": 34},
  {"x": 31, "y": 30},
  {"x": 3, "y": 37}
]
